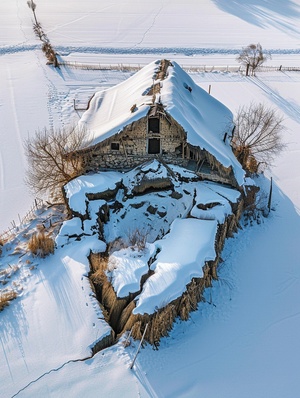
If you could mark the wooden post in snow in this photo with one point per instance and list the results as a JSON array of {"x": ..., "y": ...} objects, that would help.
[
  {"x": 138, "y": 350},
  {"x": 209, "y": 89},
  {"x": 247, "y": 69},
  {"x": 270, "y": 195}
]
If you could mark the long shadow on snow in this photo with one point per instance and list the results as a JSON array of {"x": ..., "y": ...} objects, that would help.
[{"x": 263, "y": 13}]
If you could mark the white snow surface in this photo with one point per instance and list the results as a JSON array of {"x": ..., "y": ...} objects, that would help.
[
  {"x": 127, "y": 266},
  {"x": 243, "y": 341},
  {"x": 76, "y": 189}
]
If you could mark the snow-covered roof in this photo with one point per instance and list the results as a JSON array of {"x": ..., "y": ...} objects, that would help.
[{"x": 204, "y": 118}]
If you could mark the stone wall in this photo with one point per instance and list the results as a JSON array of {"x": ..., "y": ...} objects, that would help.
[{"x": 129, "y": 148}]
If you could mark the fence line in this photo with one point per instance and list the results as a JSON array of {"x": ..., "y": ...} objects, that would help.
[
  {"x": 135, "y": 67},
  {"x": 278, "y": 68},
  {"x": 190, "y": 68},
  {"x": 10, "y": 232}
]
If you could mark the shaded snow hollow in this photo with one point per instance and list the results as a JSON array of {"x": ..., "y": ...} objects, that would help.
[
  {"x": 204, "y": 118},
  {"x": 177, "y": 247}
]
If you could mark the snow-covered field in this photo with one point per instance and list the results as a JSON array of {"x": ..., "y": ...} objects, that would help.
[{"x": 243, "y": 341}]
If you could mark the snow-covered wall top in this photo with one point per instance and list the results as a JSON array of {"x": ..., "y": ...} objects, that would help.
[{"x": 203, "y": 117}]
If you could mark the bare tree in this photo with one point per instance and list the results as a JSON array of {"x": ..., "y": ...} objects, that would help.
[
  {"x": 257, "y": 136},
  {"x": 252, "y": 57},
  {"x": 47, "y": 48},
  {"x": 51, "y": 160}
]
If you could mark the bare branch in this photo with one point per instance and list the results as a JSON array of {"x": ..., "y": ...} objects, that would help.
[
  {"x": 49, "y": 167},
  {"x": 257, "y": 136}
]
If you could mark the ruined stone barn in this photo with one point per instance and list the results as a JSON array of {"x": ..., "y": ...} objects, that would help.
[
  {"x": 160, "y": 112},
  {"x": 163, "y": 226}
]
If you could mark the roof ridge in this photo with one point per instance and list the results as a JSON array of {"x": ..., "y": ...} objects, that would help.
[{"x": 160, "y": 74}]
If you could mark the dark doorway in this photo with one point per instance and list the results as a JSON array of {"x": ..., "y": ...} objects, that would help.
[
  {"x": 153, "y": 146},
  {"x": 153, "y": 125}
]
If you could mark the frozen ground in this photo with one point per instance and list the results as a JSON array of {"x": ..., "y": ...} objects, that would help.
[{"x": 243, "y": 342}]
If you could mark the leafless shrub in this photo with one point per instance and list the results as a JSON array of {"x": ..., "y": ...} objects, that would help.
[
  {"x": 50, "y": 163},
  {"x": 258, "y": 209},
  {"x": 116, "y": 245},
  {"x": 38, "y": 30},
  {"x": 6, "y": 297},
  {"x": 252, "y": 57},
  {"x": 137, "y": 238},
  {"x": 257, "y": 136},
  {"x": 134, "y": 238},
  {"x": 50, "y": 54},
  {"x": 41, "y": 245}
]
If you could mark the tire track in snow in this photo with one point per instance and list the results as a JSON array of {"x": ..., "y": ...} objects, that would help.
[
  {"x": 141, "y": 376},
  {"x": 78, "y": 19},
  {"x": 51, "y": 371},
  {"x": 21, "y": 47},
  {"x": 151, "y": 26},
  {"x": 20, "y": 20},
  {"x": 15, "y": 115}
]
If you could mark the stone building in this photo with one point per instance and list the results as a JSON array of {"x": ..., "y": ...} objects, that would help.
[{"x": 160, "y": 113}]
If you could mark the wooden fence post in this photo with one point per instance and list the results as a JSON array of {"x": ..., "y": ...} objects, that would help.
[{"x": 270, "y": 195}]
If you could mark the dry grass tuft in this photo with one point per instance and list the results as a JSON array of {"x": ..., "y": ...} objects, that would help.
[
  {"x": 137, "y": 238},
  {"x": 116, "y": 245},
  {"x": 41, "y": 245},
  {"x": 2, "y": 243},
  {"x": 6, "y": 297}
]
